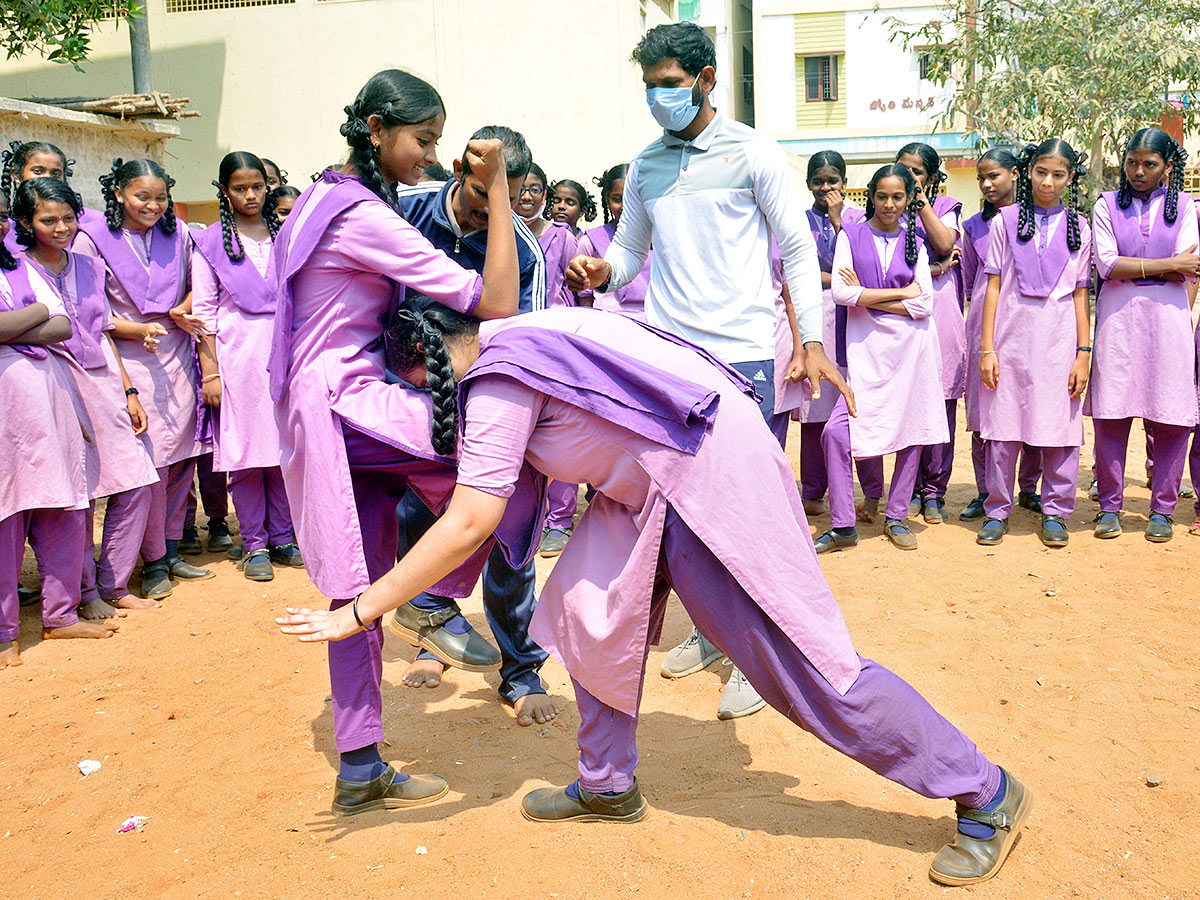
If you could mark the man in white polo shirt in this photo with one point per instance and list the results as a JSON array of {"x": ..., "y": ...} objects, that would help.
[{"x": 708, "y": 195}]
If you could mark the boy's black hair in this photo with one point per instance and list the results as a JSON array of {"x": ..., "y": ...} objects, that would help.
[
  {"x": 517, "y": 158},
  {"x": 685, "y": 42},
  {"x": 437, "y": 172}
]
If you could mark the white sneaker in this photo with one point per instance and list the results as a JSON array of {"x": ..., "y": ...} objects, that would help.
[
  {"x": 738, "y": 697},
  {"x": 689, "y": 657}
]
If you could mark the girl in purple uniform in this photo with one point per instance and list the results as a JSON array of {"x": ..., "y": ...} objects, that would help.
[
  {"x": 827, "y": 181},
  {"x": 1144, "y": 364},
  {"x": 118, "y": 464},
  {"x": 43, "y": 486},
  {"x": 630, "y": 299},
  {"x": 351, "y": 443},
  {"x": 148, "y": 261},
  {"x": 1035, "y": 354},
  {"x": 881, "y": 275},
  {"x": 233, "y": 291},
  {"x": 284, "y": 199},
  {"x": 997, "y": 173},
  {"x": 938, "y": 227},
  {"x": 653, "y": 425},
  {"x": 29, "y": 159}
]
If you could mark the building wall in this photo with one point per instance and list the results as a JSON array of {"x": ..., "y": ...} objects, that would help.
[
  {"x": 274, "y": 79},
  {"x": 730, "y": 23}
]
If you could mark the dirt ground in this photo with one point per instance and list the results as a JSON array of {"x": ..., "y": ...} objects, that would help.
[{"x": 1077, "y": 669}]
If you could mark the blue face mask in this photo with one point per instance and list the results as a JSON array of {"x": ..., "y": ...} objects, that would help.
[{"x": 673, "y": 108}]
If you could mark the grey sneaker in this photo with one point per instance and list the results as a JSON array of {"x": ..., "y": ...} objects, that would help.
[
  {"x": 738, "y": 697},
  {"x": 689, "y": 657}
]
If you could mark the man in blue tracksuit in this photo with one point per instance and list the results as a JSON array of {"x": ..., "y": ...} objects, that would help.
[{"x": 453, "y": 217}]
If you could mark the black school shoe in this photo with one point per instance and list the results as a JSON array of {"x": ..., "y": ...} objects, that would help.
[
  {"x": 219, "y": 537},
  {"x": 968, "y": 860},
  {"x": 256, "y": 566},
  {"x": 28, "y": 596},
  {"x": 974, "y": 510},
  {"x": 287, "y": 555},
  {"x": 1030, "y": 501},
  {"x": 185, "y": 571},
  {"x": 556, "y": 805},
  {"x": 353, "y": 797},
  {"x": 189, "y": 542},
  {"x": 1054, "y": 531},
  {"x": 992, "y": 532}
]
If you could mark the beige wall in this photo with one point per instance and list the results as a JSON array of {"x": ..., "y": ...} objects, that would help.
[{"x": 274, "y": 79}]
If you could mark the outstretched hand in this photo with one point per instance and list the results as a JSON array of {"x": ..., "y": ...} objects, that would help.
[
  {"x": 817, "y": 368},
  {"x": 315, "y": 625},
  {"x": 586, "y": 273}
]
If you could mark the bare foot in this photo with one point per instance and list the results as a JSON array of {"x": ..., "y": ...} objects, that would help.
[
  {"x": 424, "y": 673},
  {"x": 812, "y": 507},
  {"x": 131, "y": 602},
  {"x": 534, "y": 708},
  {"x": 10, "y": 655},
  {"x": 868, "y": 509},
  {"x": 81, "y": 629},
  {"x": 98, "y": 610}
]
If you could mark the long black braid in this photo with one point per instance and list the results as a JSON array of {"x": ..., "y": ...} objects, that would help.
[
  {"x": 605, "y": 183},
  {"x": 421, "y": 320},
  {"x": 931, "y": 162},
  {"x": 119, "y": 176},
  {"x": 1172, "y": 154},
  {"x": 397, "y": 98},
  {"x": 8, "y": 262},
  {"x": 8, "y": 173},
  {"x": 1076, "y": 170},
  {"x": 909, "y": 217}
]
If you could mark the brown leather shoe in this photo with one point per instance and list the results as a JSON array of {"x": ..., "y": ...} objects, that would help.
[
  {"x": 353, "y": 797},
  {"x": 470, "y": 652},
  {"x": 556, "y": 805},
  {"x": 968, "y": 860}
]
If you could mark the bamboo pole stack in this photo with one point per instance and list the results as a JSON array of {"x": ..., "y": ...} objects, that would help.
[{"x": 155, "y": 105}]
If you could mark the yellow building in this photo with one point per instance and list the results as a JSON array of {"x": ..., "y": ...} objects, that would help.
[{"x": 272, "y": 77}]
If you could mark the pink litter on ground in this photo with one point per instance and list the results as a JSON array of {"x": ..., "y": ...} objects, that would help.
[{"x": 133, "y": 823}]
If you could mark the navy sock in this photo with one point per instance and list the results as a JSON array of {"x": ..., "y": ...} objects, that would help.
[
  {"x": 573, "y": 791},
  {"x": 846, "y": 532},
  {"x": 363, "y": 764},
  {"x": 430, "y": 603},
  {"x": 977, "y": 829},
  {"x": 172, "y": 548}
]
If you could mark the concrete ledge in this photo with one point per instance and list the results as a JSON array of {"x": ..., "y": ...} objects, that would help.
[{"x": 141, "y": 128}]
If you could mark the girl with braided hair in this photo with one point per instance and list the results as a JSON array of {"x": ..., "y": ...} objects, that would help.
[
  {"x": 997, "y": 174},
  {"x": 352, "y": 442},
  {"x": 881, "y": 275},
  {"x": 1144, "y": 363},
  {"x": 630, "y": 298},
  {"x": 653, "y": 422},
  {"x": 233, "y": 291},
  {"x": 148, "y": 279},
  {"x": 43, "y": 482},
  {"x": 284, "y": 198},
  {"x": 938, "y": 226},
  {"x": 118, "y": 464},
  {"x": 30, "y": 159},
  {"x": 1035, "y": 345}
]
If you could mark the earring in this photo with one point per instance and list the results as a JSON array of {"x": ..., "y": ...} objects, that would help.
[{"x": 374, "y": 143}]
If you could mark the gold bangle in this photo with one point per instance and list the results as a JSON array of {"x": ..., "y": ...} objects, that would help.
[{"x": 1143, "y": 262}]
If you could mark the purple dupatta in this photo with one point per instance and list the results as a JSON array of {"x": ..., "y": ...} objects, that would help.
[
  {"x": 1037, "y": 273},
  {"x": 22, "y": 296},
  {"x": 247, "y": 288},
  {"x": 153, "y": 290}
]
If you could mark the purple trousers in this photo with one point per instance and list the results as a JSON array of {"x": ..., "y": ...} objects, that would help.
[
  {"x": 56, "y": 536},
  {"x": 937, "y": 461},
  {"x": 881, "y": 722},
  {"x": 380, "y": 474},
  {"x": 814, "y": 470},
  {"x": 1060, "y": 477},
  {"x": 214, "y": 492},
  {"x": 1169, "y": 448},
  {"x": 1029, "y": 470},
  {"x": 169, "y": 497},
  {"x": 129, "y": 531},
  {"x": 261, "y": 503},
  {"x": 835, "y": 441},
  {"x": 563, "y": 500}
]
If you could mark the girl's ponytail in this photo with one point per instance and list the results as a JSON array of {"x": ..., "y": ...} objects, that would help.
[
  {"x": 113, "y": 216},
  {"x": 1025, "y": 193}
]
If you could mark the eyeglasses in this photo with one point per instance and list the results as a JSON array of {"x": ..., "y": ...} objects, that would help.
[{"x": 534, "y": 192}]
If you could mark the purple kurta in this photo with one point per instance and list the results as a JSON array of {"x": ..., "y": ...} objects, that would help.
[
  {"x": 594, "y": 611},
  {"x": 630, "y": 298},
  {"x": 1034, "y": 334},
  {"x": 39, "y": 429},
  {"x": 560, "y": 246},
  {"x": 1143, "y": 365},
  {"x": 341, "y": 258},
  {"x": 948, "y": 305},
  {"x": 245, "y": 435},
  {"x": 117, "y": 459},
  {"x": 147, "y": 275},
  {"x": 974, "y": 252},
  {"x": 894, "y": 361}
]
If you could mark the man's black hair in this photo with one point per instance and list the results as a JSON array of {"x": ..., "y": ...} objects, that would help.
[
  {"x": 685, "y": 42},
  {"x": 517, "y": 158}
]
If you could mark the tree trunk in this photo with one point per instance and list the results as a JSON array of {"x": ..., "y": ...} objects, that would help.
[
  {"x": 1095, "y": 181},
  {"x": 139, "y": 49}
]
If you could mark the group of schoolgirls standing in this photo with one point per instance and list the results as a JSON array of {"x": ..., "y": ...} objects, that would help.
[
  {"x": 1024, "y": 356},
  {"x": 107, "y": 301}
]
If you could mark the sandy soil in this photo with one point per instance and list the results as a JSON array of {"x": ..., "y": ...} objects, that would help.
[{"x": 1078, "y": 669}]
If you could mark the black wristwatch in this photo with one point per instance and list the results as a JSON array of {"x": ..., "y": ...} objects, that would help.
[{"x": 131, "y": 392}]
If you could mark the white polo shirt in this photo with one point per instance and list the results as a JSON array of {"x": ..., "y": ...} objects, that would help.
[{"x": 709, "y": 207}]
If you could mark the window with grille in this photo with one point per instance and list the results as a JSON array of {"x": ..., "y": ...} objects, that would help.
[
  {"x": 187, "y": 6},
  {"x": 930, "y": 68},
  {"x": 820, "y": 78}
]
